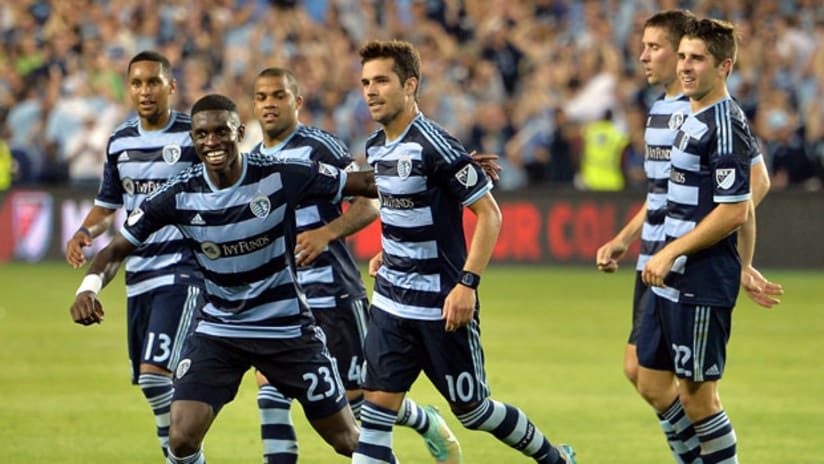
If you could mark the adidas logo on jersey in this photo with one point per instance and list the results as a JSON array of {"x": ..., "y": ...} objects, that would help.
[
  {"x": 123, "y": 156},
  {"x": 198, "y": 221},
  {"x": 713, "y": 370}
]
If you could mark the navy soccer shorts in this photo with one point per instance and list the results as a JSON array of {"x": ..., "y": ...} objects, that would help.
[
  {"x": 159, "y": 321},
  {"x": 211, "y": 369},
  {"x": 345, "y": 329},
  {"x": 398, "y": 349},
  {"x": 689, "y": 340},
  {"x": 640, "y": 300}
]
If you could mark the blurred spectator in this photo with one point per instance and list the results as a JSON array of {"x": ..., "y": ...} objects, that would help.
[
  {"x": 604, "y": 153},
  {"x": 512, "y": 76}
]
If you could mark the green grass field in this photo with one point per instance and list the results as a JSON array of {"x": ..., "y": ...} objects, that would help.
[{"x": 554, "y": 341}]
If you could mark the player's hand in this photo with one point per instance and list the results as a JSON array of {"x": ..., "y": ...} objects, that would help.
[
  {"x": 487, "y": 162},
  {"x": 87, "y": 309},
  {"x": 74, "y": 249},
  {"x": 607, "y": 257},
  {"x": 657, "y": 268},
  {"x": 310, "y": 244},
  {"x": 375, "y": 263},
  {"x": 458, "y": 308},
  {"x": 759, "y": 289}
]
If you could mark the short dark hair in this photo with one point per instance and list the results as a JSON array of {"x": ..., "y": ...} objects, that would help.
[
  {"x": 214, "y": 102},
  {"x": 720, "y": 37},
  {"x": 291, "y": 80},
  {"x": 674, "y": 22},
  {"x": 157, "y": 57},
  {"x": 407, "y": 59}
]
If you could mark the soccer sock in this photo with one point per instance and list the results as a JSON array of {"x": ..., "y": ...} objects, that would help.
[
  {"x": 356, "y": 404},
  {"x": 158, "y": 391},
  {"x": 412, "y": 415},
  {"x": 671, "y": 437},
  {"x": 375, "y": 444},
  {"x": 196, "y": 458},
  {"x": 510, "y": 425},
  {"x": 682, "y": 440},
  {"x": 280, "y": 444},
  {"x": 717, "y": 438}
]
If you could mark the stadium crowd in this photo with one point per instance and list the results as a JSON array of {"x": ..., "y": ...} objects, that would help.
[{"x": 522, "y": 78}]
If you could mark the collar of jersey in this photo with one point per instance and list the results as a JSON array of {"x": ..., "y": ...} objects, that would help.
[
  {"x": 277, "y": 148},
  {"x": 234, "y": 186},
  {"x": 142, "y": 131}
]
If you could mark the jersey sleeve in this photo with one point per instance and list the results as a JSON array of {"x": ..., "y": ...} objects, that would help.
[
  {"x": 110, "y": 194},
  {"x": 731, "y": 161},
  {"x": 456, "y": 170},
  {"x": 157, "y": 211},
  {"x": 313, "y": 181}
]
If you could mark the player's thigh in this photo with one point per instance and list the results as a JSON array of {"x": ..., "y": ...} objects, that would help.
[
  {"x": 210, "y": 370},
  {"x": 455, "y": 361},
  {"x": 345, "y": 330},
  {"x": 302, "y": 368},
  {"x": 394, "y": 352}
]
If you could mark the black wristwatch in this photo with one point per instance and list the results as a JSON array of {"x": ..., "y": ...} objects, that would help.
[{"x": 469, "y": 279}]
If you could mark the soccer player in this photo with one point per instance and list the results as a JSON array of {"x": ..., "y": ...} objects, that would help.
[
  {"x": 163, "y": 284},
  {"x": 696, "y": 275},
  {"x": 326, "y": 271},
  {"x": 237, "y": 213},
  {"x": 661, "y": 35},
  {"x": 424, "y": 314}
]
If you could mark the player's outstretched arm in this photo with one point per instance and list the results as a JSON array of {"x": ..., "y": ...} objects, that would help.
[
  {"x": 311, "y": 243},
  {"x": 610, "y": 253},
  {"x": 459, "y": 306},
  {"x": 361, "y": 184},
  {"x": 86, "y": 309},
  {"x": 97, "y": 221}
]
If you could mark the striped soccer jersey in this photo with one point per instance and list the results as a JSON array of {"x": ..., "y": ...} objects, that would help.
[
  {"x": 242, "y": 237},
  {"x": 137, "y": 163},
  {"x": 710, "y": 164},
  {"x": 333, "y": 278},
  {"x": 664, "y": 119},
  {"x": 424, "y": 179}
]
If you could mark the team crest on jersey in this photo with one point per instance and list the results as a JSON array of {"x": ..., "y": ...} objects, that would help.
[
  {"x": 183, "y": 367},
  {"x": 171, "y": 153},
  {"x": 128, "y": 186},
  {"x": 210, "y": 249},
  {"x": 134, "y": 217},
  {"x": 467, "y": 176},
  {"x": 675, "y": 120},
  {"x": 725, "y": 178},
  {"x": 260, "y": 206},
  {"x": 327, "y": 170},
  {"x": 404, "y": 167}
]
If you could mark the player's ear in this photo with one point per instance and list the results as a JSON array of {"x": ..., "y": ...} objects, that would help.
[
  {"x": 241, "y": 130},
  {"x": 172, "y": 86}
]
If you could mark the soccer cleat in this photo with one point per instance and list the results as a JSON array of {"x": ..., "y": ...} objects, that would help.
[
  {"x": 567, "y": 453},
  {"x": 442, "y": 444}
]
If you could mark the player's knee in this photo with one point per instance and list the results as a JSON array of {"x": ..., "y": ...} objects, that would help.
[
  {"x": 182, "y": 443},
  {"x": 653, "y": 395},
  {"x": 631, "y": 372}
]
